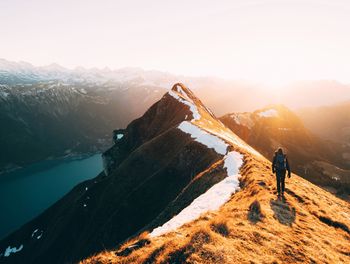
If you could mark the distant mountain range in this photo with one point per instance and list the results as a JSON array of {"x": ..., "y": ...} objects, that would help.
[
  {"x": 330, "y": 122},
  {"x": 25, "y": 73},
  {"x": 51, "y": 111}
]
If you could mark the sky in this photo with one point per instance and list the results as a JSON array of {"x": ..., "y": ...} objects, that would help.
[{"x": 274, "y": 42}]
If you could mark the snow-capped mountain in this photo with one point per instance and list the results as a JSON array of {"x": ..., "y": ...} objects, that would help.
[
  {"x": 40, "y": 104},
  {"x": 51, "y": 111},
  {"x": 160, "y": 154},
  {"x": 323, "y": 162},
  {"x": 25, "y": 73},
  {"x": 181, "y": 187}
]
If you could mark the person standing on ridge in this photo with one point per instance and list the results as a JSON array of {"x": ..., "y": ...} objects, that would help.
[{"x": 280, "y": 166}]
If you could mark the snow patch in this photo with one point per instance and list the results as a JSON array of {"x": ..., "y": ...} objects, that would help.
[
  {"x": 183, "y": 93},
  {"x": 236, "y": 119},
  {"x": 212, "y": 199},
  {"x": 233, "y": 161},
  {"x": 36, "y": 230},
  {"x": 189, "y": 103},
  {"x": 37, "y": 233},
  {"x": 4, "y": 94},
  {"x": 9, "y": 250},
  {"x": 268, "y": 113},
  {"x": 204, "y": 137},
  {"x": 243, "y": 119},
  {"x": 235, "y": 140},
  {"x": 83, "y": 91},
  {"x": 336, "y": 178}
]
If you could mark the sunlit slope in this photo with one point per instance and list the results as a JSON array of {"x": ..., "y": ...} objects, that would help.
[
  {"x": 162, "y": 162},
  {"x": 320, "y": 161},
  {"x": 252, "y": 226},
  {"x": 310, "y": 226}
]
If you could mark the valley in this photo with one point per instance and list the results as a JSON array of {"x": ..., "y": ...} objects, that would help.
[{"x": 29, "y": 191}]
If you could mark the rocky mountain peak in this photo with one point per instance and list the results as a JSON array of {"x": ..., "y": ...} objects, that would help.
[
  {"x": 183, "y": 91},
  {"x": 171, "y": 176}
]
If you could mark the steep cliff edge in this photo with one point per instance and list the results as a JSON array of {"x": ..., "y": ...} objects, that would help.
[
  {"x": 309, "y": 226},
  {"x": 154, "y": 160},
  {"x": 181, "y": 187}
]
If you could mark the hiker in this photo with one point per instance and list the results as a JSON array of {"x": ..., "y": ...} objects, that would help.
[{"x": 280, "y": 166}]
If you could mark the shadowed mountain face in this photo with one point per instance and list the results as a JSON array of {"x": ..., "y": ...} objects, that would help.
[
  {"x": 53, "y": 119},
  {"x": 151, "y": 163},
  {"x": 317, "y": 160}
]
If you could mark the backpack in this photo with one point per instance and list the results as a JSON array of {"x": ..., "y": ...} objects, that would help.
[{"x": 280, "y": 162}]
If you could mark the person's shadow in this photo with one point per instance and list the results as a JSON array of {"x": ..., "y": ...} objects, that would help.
[{"x": 283, "y": 212}]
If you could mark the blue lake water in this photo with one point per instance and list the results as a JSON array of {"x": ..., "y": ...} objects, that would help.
[{"x": 27, "y": 192}]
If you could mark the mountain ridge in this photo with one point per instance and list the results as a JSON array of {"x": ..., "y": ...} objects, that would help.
[
  {"x": 309, "y": 226},
  {"x": 166, "y": 159},
  {"x": 153, "y": 158}
]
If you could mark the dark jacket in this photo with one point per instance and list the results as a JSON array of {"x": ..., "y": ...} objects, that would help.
[{"x": 274, "y": 163}]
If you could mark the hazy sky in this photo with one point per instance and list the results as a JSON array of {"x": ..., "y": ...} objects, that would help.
[{"x": 270, "y": 41}]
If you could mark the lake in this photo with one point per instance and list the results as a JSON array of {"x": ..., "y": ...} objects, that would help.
[{"x": 27, "y": 192}]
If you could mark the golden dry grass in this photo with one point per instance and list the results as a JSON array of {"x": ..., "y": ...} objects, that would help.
[{"x": 311, "y": 226}]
